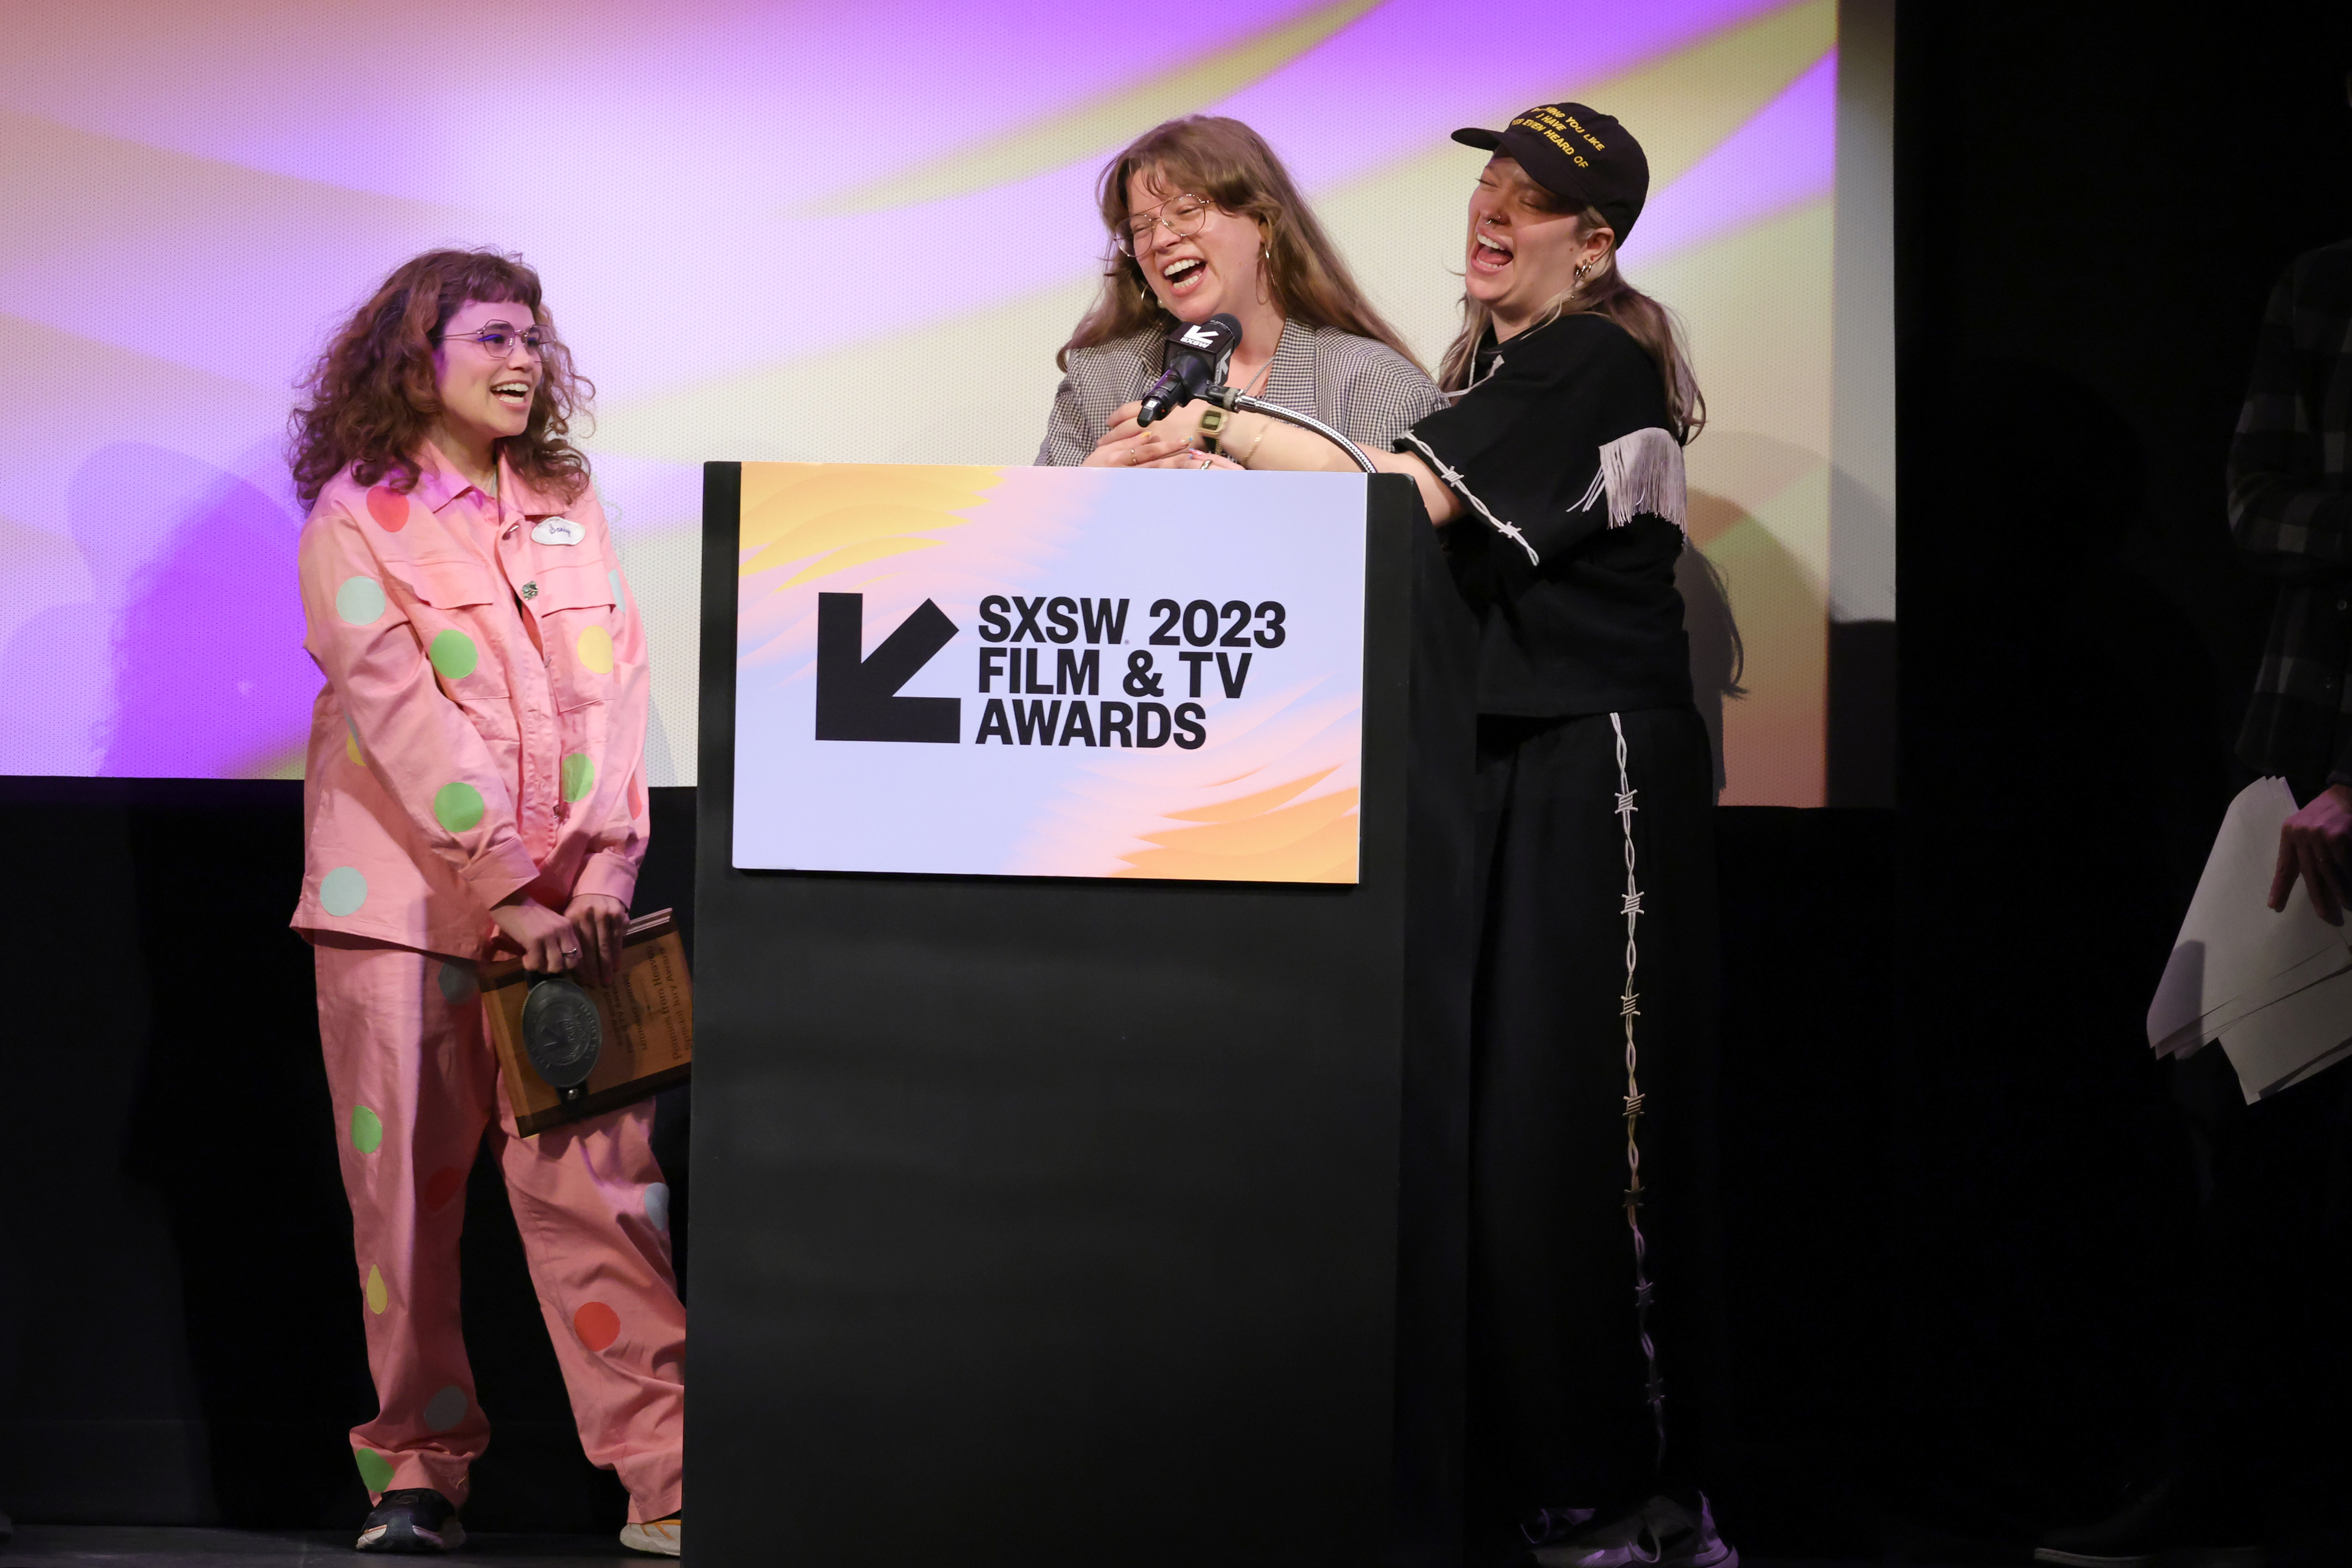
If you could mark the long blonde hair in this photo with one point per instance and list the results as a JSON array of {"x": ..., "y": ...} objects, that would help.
[
  {"x": 1602, "y": 292},
  {"x": 1224, "y": 162}
]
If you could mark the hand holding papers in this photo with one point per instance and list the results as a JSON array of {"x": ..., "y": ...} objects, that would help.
[{"x": 2275, "y": 989}]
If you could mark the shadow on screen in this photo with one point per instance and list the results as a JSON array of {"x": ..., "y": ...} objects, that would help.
[
  {"x": 1717, "y": 658},
  {"x": 197, "y": 566}
]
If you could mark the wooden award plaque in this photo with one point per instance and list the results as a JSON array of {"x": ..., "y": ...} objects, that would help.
[{"x": 648, "y": 1014}]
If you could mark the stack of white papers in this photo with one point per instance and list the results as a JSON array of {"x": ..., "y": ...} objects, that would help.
[{"x": 2274, "y": 990}]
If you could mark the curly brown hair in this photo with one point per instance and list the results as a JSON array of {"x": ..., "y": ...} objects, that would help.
[{"x": 370, "y": 400}]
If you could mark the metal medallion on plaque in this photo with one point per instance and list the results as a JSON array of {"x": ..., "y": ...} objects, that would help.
[{"x": 561, "y": 1034}]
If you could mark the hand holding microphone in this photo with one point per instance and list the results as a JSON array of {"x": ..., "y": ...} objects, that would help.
[{"x": 1197, "y": 357}]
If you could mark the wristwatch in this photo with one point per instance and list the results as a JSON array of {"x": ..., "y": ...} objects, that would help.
[{"x": 1212, "y": 419}]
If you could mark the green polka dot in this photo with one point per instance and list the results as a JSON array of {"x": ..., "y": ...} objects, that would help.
[
  {"x": 454, "y": 654},
  {"x": 360, "y": 600},
  {"x": 343, "y": 890},
  {"x": 376, "y": 1470},
  {"x": 614, "y": 577},
  {"x": 457, "y": 806},
  {"x": 578, "y": 775},
  {"x": 367, "y": 1129}
]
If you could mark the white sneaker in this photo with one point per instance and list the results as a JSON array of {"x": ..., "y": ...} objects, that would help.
[
  {"x": 1661, "y": 1533},
  {"x": 659, "y": 1536}
]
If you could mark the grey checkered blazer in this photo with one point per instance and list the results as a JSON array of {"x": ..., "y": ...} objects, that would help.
[{"x": 1364, "y": 389}]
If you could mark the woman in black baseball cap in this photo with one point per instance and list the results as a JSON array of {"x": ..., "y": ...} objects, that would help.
[{"x": 1557, "y": 474}]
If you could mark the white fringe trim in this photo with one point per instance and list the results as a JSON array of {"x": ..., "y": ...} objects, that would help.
[
  {"x": 1591, "y": 492},
  {"x": 1644, "y": 474},
  {"x": 1453, "y": 477}
]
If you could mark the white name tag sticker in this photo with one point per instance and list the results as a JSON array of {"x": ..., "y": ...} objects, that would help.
[{"x": 559, "y": 531}]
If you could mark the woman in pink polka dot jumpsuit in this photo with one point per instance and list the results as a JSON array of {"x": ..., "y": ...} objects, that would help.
[{"x": 474, "y": 785}]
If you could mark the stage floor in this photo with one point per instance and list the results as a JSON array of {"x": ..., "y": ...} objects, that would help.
[
  {"x": 165, "y": 1546},
  {"x": 170, "y": 1546}
]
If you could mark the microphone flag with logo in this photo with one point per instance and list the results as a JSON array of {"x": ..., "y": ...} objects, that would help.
[{"x": 1197, "y": 357}]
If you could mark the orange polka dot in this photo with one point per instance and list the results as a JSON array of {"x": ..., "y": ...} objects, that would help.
[
  {"x": 444, "y": 1184},
  {"x": 637, "y": 796},
  {"x": 389, "y": 510},
  {"x": 597, "y": 1325}
]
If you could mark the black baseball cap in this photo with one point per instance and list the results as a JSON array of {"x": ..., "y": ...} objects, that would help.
[{"x": 1578, "y": 153}]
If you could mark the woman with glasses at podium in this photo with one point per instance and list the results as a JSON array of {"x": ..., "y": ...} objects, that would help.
[
  {"x": 1557, "y": 474},
  {"x": 1204, "y": 220},
  {"x": 474, "y": 781}
]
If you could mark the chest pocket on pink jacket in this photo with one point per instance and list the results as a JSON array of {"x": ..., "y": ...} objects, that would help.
[
  {"x": 574, "y": 604},
  {"x": 455, "y": 598}
]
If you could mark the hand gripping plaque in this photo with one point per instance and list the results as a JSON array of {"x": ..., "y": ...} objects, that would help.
[{"x": 561, "y": 1034}]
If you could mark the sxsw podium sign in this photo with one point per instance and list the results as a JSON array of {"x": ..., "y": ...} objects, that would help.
[{"x": 1049, "y": 672}]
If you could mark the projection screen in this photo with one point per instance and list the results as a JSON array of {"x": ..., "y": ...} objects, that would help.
[{"x": 840, "y": 233}]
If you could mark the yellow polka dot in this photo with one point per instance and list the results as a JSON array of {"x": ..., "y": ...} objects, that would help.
[
  {"x": 378, "y": 1298},
  {"x": 352, "y": 745},
  {"x": 596, "y": 650}
]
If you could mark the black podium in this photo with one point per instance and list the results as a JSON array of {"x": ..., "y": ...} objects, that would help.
[{"x": 1049, "y": 1221}]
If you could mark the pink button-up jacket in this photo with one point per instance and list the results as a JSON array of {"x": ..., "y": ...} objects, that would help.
[{"x": 482, "y": 727}]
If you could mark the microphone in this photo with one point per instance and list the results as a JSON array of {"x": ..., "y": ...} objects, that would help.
[{"x": 1197, "y": 357}]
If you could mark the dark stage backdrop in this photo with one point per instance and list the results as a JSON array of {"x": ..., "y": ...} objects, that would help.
[
  {"x": 179, "y": 1334},
  {"x": 1959, "y": 1225},
  {"x": 2093, "y": 201},
  {"x": 179, "y": 1311}
]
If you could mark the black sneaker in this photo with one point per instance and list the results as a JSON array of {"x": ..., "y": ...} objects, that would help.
[
  {"x": 2158, "y": 1528},
  {"x": 1662, "y": 1533},
  {"x": 414, "y": 1519}
]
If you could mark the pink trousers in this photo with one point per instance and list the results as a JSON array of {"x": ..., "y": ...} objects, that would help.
[{"x": 416, "y": 1088}]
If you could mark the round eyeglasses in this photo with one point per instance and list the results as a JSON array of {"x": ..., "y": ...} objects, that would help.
[
  {"x": 499, "y": 340},
  {"x": 1180, "y": 216}
]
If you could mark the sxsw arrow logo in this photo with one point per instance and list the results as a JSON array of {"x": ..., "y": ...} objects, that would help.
[{"x": 858, "y": 699}]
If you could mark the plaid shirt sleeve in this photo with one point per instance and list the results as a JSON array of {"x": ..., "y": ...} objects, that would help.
[
  {"x": 1101, "y": 378},
  {"x": 1371, "y": 392},
  {"x": 1067, "y": 443},
  {"x": 2290, "y": 513},
  {"x": 2289, "y": 506}
]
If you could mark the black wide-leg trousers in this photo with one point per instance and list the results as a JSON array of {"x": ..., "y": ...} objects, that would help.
[{"x": 1558, "y": 1411}]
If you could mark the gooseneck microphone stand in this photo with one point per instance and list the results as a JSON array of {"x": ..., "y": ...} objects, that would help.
[{"x": 1233, "y": 401}]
